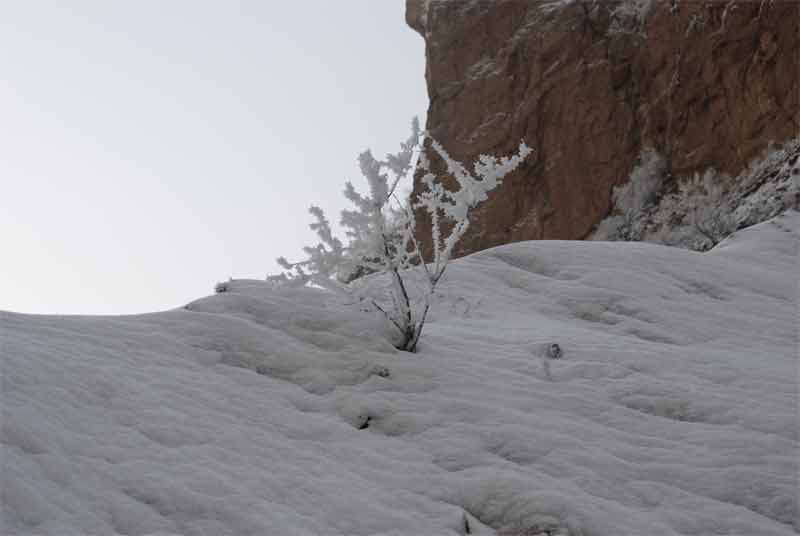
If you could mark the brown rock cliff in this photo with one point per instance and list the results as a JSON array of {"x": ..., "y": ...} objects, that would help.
[{"x": 590, "y": 84}]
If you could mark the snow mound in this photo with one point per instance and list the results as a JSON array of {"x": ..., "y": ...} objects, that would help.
[{"x": 671, "y": 410}]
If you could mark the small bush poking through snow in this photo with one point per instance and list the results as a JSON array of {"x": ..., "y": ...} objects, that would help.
[
  {"x": 381, "y": 229},
  {"x": 221, "y": 287}
]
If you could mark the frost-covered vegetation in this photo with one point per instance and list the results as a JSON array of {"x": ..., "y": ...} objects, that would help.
[
  {"x": 632, "y": 198},
  {"x": 382, "y": 233},
  {"x": 670, "y": 409},
  {"x": 698, "y": 212}
]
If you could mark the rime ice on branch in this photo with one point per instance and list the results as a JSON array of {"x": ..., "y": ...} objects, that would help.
[{"x": 380, "y": 230}]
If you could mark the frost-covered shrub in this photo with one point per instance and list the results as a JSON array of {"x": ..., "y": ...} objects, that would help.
[
  {"x": 643, "y": 185},
  {"x": 380, "y": 230},
  {"x": 709, "y": 212},
  {"x": 609, "y": 229},
  {"x": 707, "y": 207},
  {"x": 771, "y": 185},
  {"x": 631, "y": 199}
]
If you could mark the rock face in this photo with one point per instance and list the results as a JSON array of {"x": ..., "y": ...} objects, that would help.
[{"x": 591, "y": 84}]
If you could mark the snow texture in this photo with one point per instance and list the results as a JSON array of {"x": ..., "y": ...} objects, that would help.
[{"x": 671, "y": 409}]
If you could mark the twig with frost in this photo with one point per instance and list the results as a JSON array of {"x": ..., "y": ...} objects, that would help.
[{"x": 381, "y": 229}]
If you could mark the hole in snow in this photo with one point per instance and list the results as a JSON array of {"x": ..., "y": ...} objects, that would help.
[
  {"x": 703, "y": 289},
  {"x": 651, "y": 336},
  {"x": 668, "y": 408}
]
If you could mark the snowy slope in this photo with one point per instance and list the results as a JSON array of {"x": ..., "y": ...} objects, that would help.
[{"x": 260, "y": 412}]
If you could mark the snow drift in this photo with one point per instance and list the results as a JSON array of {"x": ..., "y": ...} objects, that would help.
[{"x": 673, "y": 409}]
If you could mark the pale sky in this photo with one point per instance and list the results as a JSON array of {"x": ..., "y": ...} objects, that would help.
[{"x": 149, "y": 149}]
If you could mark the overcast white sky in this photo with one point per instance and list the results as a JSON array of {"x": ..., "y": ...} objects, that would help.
[{"x": 149, "y": 149}]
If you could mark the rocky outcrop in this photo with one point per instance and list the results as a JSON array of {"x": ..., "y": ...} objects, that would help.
[{"x": 590, "y": 85}]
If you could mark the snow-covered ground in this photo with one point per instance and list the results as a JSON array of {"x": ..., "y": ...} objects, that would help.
[{"x": 672, "y": 411}]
